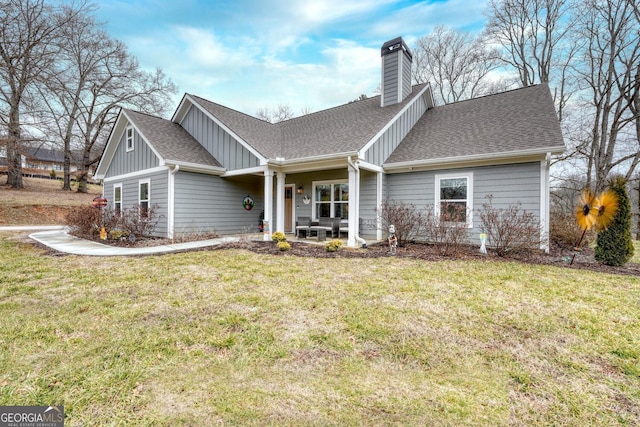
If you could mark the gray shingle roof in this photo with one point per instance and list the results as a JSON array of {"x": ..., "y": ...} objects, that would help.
[
  {"x": 518, "y": 120},
  {"x": 346, "y": 128},
  {"x": 170, "y": 140}
]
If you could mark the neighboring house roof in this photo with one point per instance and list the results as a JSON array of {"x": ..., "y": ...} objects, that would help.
[
  {"x": 518, "y": 121},
  {"x": 342, "y": 129},
  {"x": 170, "y": 141},
  {"x": 44, "y": 154}
]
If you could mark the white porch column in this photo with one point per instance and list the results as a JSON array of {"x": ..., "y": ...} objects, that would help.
[
  {"x": 268, "y": 203},
  {"x": 354, "y": 203},
  {"x": 279, "y": 226},
  {"x": 379, "y": 177}
]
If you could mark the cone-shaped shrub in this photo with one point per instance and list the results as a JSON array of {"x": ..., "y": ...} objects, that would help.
[{"x": 614, "y": 245}]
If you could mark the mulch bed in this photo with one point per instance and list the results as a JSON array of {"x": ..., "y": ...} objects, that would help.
[{"x": 557, "y": 257}]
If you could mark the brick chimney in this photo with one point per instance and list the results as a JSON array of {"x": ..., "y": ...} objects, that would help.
[{"x": 396, "y": 72}]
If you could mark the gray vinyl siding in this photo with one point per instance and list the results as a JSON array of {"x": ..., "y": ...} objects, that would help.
[
  {"x": 508, "y": 184},
  {"x": 141, "y": 157},
  {"x": 380, "y": 151},
  {"x": 158, "y": 196},
  {"x": 406, "y": 76},
  {"x": 390, "y": 78},
  {"x": 210, "y": 204},
  {"x": 226, "y": 149}
]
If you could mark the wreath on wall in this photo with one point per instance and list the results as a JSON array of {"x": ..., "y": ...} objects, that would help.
[{"x": 247, "y": 203}]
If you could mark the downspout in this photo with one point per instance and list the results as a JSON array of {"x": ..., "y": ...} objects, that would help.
[
  {"x": 356, "y": 195},
  {"x": 172, "y": 201}
]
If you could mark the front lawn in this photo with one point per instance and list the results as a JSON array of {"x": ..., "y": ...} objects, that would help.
[{"x": 235, "y": 338}]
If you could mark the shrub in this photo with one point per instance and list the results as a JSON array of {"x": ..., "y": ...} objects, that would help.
[
  {"x": 564, "y": 233},
  {"x": 284, "y": 245},
  {"x": 442, "y": 230},
  {"x": 333, "y": 245},
  {"x": 84, "y": 221},
  {"x": 278, "y": 237},
  {"x": 407, "y": 220},
  {"x": 511, "y": 229},
  {"x": 614, "y": 245}
]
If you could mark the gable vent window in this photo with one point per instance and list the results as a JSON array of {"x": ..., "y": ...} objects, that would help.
[{"x": 129, "y": 133}]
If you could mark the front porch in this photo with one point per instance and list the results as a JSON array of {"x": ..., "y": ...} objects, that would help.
[{"x": 334, "y": 202}]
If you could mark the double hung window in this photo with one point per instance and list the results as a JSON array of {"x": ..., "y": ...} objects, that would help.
[{"x": 454, "y": 198}]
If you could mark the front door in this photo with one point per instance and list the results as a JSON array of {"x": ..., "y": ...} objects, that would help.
[{"x": 288, "y": 209}]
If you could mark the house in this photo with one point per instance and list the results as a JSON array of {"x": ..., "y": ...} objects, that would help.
[{"x": 211, "y": 168}]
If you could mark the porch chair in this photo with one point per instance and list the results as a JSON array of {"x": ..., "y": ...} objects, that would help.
[{"x": 302, "y": 226}]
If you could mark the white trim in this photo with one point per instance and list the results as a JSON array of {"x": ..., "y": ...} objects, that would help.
[
  {"x": 520, "y": 156},
  {"x": 330, "y": 182},
  {"x": 370, "y": 166},
  {"x": 379, "y": 178},
  {"x": 293, "y": 206},
  {"x": 196, "y": 167},
  {"x": 148, "y": 200},
  {"x": 544, "y": 203},
  {"x": 117, "y": 185},
  {"x": 247, "y": 171},
  {"x": 466, "y": 175},
  {"x": 395, "y": 118},
  {"x": 130, "y": 175},
  {"x": 280, "y": 184},
  {"x": 127, "y": 139},
  {"x": 171, "y": 201}
]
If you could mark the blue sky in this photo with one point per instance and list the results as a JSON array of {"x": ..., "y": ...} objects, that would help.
[{"x": 248, "y": 54}]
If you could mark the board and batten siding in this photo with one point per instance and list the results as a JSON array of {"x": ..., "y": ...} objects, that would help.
[
  {"x": 368, "y": 203},
  {"x": 406, "y": 76},
  {"x": 158, "y": 196},
  {"x": 226, "y": 149},
  {"x": 508, "y": 184},
  {"x": 390, "y": 76},
  {"x": 210, "y": 204},
  {"x": 380, "y": 151},
  {"x": 141, "y": 157}
]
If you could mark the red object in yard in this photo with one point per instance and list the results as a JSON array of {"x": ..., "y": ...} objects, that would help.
[{"x": 99, "y": 202}]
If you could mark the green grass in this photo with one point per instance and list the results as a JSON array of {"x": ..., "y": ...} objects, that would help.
[{"x": 235, "y": 338}]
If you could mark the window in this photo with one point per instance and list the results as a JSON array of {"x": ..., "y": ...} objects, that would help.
[
  {"x": 454, "y": 198},
  {"x": 129, "y": 135},
  {"x": 117, "y": 198},
  {"x": 331, "y": 199},
  {"x": 144, "y": 198}
]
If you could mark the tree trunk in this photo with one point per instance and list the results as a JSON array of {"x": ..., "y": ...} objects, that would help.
[{"x": 14, "y": 155}]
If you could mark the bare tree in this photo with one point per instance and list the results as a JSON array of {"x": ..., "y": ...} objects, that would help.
[
  {"x": 609, "y": 71},
  {"x": 28, "y": 30},
  {"x": 276, "y": 115},
  {"x": 534, "y": 36},
  {"x": 96, "y": 75},
  {"x": 457, "y": 63}
]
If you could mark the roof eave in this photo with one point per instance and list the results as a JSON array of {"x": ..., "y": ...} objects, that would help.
[
  {"x": 196, "y": 167},
  {"x": 474, "y": 160},
  {"x": 312, "y": 163}
]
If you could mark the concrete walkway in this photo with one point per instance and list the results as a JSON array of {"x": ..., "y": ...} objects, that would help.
[{"x": 56, "y": 238}]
